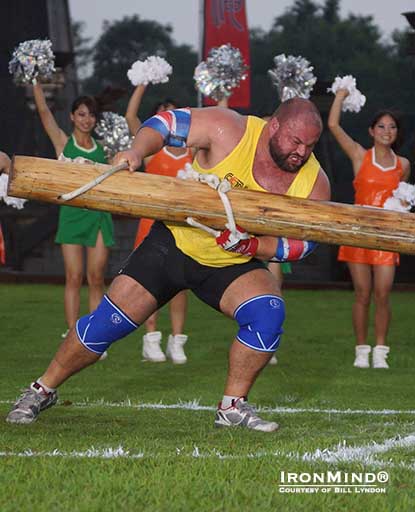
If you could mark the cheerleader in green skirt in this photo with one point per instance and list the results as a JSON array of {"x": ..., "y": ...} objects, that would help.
[{"x": 80, "y": 231}]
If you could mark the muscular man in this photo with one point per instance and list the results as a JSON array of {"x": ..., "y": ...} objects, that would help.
[{"x": 226, "y": 273}]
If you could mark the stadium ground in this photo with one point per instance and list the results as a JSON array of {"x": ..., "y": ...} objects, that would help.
[{"x": 129, "y": 435}]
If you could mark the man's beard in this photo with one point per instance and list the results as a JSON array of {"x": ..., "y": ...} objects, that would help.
[{"x": 281, "y": 160}]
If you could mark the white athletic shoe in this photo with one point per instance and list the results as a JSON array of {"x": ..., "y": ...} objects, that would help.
[
  {"x": 31, "y": 402},
  {"x": 103, "y": 356},
  {"x": 64, "y": 334},
  {"x": 241, "y": 414},
  {"x": 273, "y": 361},
  {"x": 362, "y": 356},
  {"x": 379, "y": 356},
  {"x": 175, "y": 350},
  {"x": 151, "y": 347}
]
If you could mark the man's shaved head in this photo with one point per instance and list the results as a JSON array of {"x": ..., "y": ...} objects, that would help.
[
  {"x": 294, "y": 129},
  {"x": 298, "y": 108}
]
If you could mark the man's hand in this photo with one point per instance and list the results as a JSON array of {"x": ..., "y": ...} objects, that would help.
[
  {"x": 4, "y": 163},
  {"x": 240, "y": 242},
  {"x": 130, "y": 156}
]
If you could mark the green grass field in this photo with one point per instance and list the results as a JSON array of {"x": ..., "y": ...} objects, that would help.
[{"x": 112, "y": 443}]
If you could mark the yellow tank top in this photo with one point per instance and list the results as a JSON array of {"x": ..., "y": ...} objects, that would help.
[{"x": 237, "y": 169}]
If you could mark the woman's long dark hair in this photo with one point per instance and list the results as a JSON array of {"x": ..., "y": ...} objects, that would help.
[
  {"x": 396, "y": 116},
  {"x": 102, "y": 102},
  {"x": 164, "y": 103}
]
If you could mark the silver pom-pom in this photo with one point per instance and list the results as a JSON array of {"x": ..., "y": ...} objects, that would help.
[
  {"x": 221, "y": 72},
  {"x": 113, "y": 132},
  {"x": 292, "y": 76},
  {"x": 32, "y": 60}
]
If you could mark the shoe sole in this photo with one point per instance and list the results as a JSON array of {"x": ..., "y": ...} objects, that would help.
[
  {"x": 22, "y": 421},
  {"x": 219, "y": 424}
]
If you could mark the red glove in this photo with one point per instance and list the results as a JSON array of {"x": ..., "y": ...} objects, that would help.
[{"x": 240, "y": 242}]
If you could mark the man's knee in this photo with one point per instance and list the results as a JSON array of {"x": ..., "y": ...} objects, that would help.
[
  {"x": 260, "y": 322},
  {"x": 108, "y": 323}
]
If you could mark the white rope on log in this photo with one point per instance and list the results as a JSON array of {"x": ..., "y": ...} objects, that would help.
[{"x": 222, "y": 187}]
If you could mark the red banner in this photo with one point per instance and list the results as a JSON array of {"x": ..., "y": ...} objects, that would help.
[{"x": 225, "y": 22}]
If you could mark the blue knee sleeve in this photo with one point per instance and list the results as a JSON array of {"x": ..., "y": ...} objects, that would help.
[
  {"x": 103, "y": 326},
  {"x": 260, "y": 322}
]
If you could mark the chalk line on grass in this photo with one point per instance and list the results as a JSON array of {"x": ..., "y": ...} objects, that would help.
[{"x": 194, "y": 405}]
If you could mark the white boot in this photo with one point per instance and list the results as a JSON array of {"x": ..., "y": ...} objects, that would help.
[
  {"x": 379, "y": 355},
  {"x": 175, "y": 349},
  {"x": 151, "y": 347},
  {"x": 362, "y": 356}
]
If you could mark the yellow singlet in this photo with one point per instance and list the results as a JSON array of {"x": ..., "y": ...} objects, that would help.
[{"x": 237, "y": 169}]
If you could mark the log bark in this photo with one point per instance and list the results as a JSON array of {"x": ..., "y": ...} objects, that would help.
[{"x": 159, "y": 197}]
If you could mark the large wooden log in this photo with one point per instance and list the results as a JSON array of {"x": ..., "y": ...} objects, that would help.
[{"x": 159, "y": 197}]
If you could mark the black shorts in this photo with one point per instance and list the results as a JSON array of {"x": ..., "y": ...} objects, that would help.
[{"x": 164, "y": 270}]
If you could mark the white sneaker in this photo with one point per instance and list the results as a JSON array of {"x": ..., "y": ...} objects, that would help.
[
  {"x": 64, "y": 334},
  {"x": 273, "y": 361},
  {"x": 175, "y": 350},
  {"x": 379, "y": 355},
  {"x": 103, "y": 356},
  {"x": 241, "y": 414},
  {"x": 151, "y": 347},
  {"x": 362, "y": 356}
]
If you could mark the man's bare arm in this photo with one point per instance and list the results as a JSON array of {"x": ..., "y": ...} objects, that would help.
[
  {"x": 4, "y": 163},
  {"x": 211, "y": 130}
]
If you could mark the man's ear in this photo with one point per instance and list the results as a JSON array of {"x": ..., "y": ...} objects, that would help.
[{"x": 274, "y": 125}]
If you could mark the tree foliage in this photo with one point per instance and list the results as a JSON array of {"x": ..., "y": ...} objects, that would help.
[
  {"x": 338, "y": 46},
  {"x": 129, "y": 39},
  {"x": 334, "y": 45}
]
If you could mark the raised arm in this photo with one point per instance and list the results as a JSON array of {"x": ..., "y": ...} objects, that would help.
[
  {"x": 56, "y": 135},
  {"x": 352, "y": 149},
  {"x": 134, "y": 103}
]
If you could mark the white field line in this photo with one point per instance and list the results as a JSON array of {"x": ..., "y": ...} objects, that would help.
[
  {"x": 194, "y": 405},
  {"x": 364, "y": 455}
]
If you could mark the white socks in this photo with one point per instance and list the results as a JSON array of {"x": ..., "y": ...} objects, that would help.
[
  {"x": 228, "y": 400},
  {"x": 46, "y": 388}
]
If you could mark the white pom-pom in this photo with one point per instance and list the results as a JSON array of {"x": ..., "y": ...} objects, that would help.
[
  {"x": 355, "y": 100},
  {"x": 392, "y": 203},
  {"x": 11, "y": 201},
  {"x": 153, "y": 70},
  {"x": 402, "y": 199}
]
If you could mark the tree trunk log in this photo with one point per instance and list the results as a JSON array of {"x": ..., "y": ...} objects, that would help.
[{"x": 159, "y": 197}]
